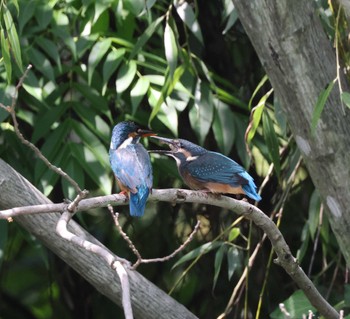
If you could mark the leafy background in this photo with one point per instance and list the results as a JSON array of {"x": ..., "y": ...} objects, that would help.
[{"x": 185, "y": 69}]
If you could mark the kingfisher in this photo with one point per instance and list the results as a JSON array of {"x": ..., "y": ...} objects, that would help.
[
  {"x": 131, "y": 164},
  {"x": 209, "y": 171}
]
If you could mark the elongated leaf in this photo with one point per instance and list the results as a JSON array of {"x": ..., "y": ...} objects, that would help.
[
  {"x": 93, "y": 97},
  {"x": 201, "y": 115},
  {"x": 257, "y": 113},
  {"x": 219, "y": 256},
  {"x": 234, "y": 233},
  {"x": 97, "y": 53},
  {"x": 345, "y": 96},
  {"x": 138, "y": 92},
  {"x": 233, "y": 261},
  {"x": 223, "y": 126},
  {"x": 41, "y": 63},
  {"x": 171, "y": 52},
  {"x": 25, "y": 14},
  {"x": 125, "y": 76},
  {"x": 186, "y": 14},
  {"x": 74, "y": 169},
  {"x": 5, "y": 50},
  {"x": 271, "y": 142},
  {"x": 51, "y": 49},
  {"x": 204, "y": 249},
  {"x": 145, "y": 36},
  {"x": 259, "y": 86},
  {"x": 321, "y": 102},
  {"x": 314, "y": 213},
  {"x": 12, "y": 36},
  {"x": 113, "y": 60}
]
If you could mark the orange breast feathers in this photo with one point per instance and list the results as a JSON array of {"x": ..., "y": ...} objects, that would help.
[{"x": 211, "y": 186}]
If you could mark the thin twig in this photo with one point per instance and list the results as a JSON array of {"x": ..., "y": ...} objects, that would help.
[{"x": 140, "y": 260}]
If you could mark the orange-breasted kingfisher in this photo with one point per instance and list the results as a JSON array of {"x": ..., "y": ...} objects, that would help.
[
  {"x": 209, "y": 171},
  {"x": 131, "y": 164}
]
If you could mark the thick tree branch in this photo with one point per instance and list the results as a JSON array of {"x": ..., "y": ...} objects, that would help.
[{"x": 284, "y": 256}]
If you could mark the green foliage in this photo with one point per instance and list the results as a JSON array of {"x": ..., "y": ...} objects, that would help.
[{"x": 187, "y": 70}]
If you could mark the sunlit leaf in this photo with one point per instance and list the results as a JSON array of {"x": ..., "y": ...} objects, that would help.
[
  {"x": 345, "y": 96},
  {"x": 257, "y": 114},
  {"x": 271, "y": 141},
  {"x": 219, "y": 256},
  {"x": 201, "y": 250},
  {"x": 5, "y": 50},
  {"x": 170, "y": 46},
  {"x": 74, "y": 169},
  {"x": 113, "y": 60},
  {"x": 97, "y": 53},
  {"x": 321, "y": 102},
  {"x": 12, "y": 36},
  {"x": 146, "y": 35},
  {"x": 297, "y": 306},
  {"x": 43, "y": 14},
  {"x": 186, "y": 14},
  {"x": 126, "y": 75},
  {"x": 138, "y": 92},
  {"x": 234, "y": 233}
]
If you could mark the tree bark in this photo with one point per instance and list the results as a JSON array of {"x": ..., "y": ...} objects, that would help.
[
  {"x": 148, "y": 301},
  {"x": 300, "y": 62}
]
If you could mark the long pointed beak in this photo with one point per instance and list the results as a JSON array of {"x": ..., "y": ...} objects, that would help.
[
  {"x": 169, "y": 142},
  {"x": 145, "y": 133}
]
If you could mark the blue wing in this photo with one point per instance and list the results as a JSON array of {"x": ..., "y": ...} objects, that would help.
[
  {"x": 215, "y": 167},
  {"x": 132, "y": 167}
]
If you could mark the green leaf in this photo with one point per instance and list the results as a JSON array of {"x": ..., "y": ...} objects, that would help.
[
  {"x": 12, "y": 37},
  {"x": 51, "y": 49},
  {"x": 46, "y": 119},
  {"x": 271, "y": 142},
  {"x": 347, "y": 295},
  {"x": 199, "y": 251},
  {"x": 113, "y": 60},
  {"x": 314, "y": 213},
  {"x": 26, "y": 13},
  {"x": 166, "y": 113},
  {"x": 126, "y": 75},
  {"x": 345, "y": 96},
  {"x": 43, "y": 14},
  {"x": 145, "y": 36},
  {"x": 234, "y": 233},
  {"x": 201, "y": 115},
  {"x": 321, "y": 102},
  {"x": 74, "y": 169},
  {"x": 186, "y": 14},
  {"x": 297, "y": 305},
  {"x": 219, "y": 256},
  {"x": 5, "y": 50},
  {"x": 138, "y": 92},
  {"x": 96, "y": 54},
  {"x": 259, "y": 86},
  {"x": 170, "y": 46},
  {"x": 93, "y": 97},
  {"x": 223, "y": 128},
  {"x": 257, "y": 114},
  {"x": 41, "y": 63},
  {"x": 233, "y": 261}
]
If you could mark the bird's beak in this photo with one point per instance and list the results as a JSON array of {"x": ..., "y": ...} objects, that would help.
[
  {"x": 145, "y": 133},
  {"x": 170, "y": 142}
]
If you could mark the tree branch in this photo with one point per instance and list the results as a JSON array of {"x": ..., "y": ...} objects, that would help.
[{"x": 284, "y": 256}]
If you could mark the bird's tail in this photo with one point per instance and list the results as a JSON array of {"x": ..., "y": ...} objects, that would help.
[
  {"x": 138, "y": 201},
  {"x": 250, "y": 188}
]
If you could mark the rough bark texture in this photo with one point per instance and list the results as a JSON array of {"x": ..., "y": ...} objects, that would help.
[
  {"x": 300, "y": 62},
  {"x": 148, "y": 301}
]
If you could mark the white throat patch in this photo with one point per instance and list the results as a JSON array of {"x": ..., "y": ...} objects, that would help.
[{"x": 126, "y": 143}]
